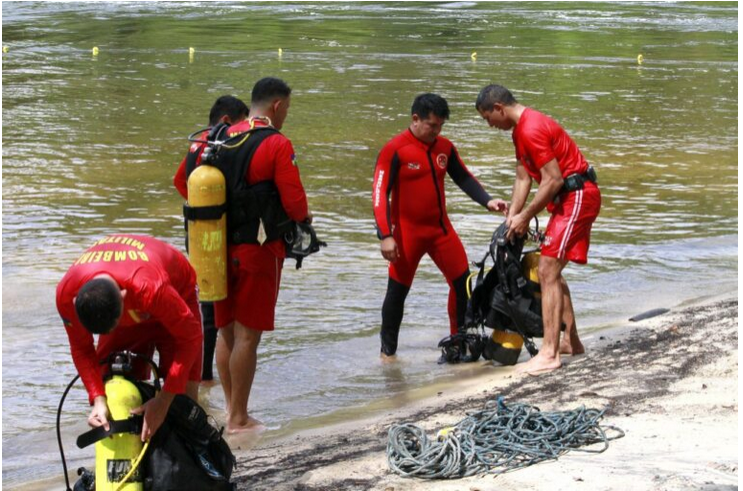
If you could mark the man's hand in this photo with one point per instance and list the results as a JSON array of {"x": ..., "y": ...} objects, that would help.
[
  {"x": 99, "y": 415},
  {"x": 389, "y": 249},
  {"x": 498, "y": 205},
  {"x": 154, "y": 412},
  {"x": 517, "y": 227}
]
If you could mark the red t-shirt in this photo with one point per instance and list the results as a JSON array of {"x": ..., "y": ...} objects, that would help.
[
  {"x": 539, "y": 139},
  {"x": 274, "y": 160},
  {"x": 157, "y": 279}
]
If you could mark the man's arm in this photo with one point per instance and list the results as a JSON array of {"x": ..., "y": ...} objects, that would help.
[
  {"x": 179, "y": 180},
  {"x": 289, "y": 184},
  {"x": 384, "y": 178},
  {"x": 465, "y": 180},
  {"x": 174, "y": 314},
  {"x": 548, "y": 189},
  {"x": 520, "y": 192}
]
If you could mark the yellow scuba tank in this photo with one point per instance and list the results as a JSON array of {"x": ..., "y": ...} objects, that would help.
[
  {"x": 530, "y": 267},
  {"x": 115, "y": 455},
  {"x": 207, "y": 238},
  {"x": 505, "y": 346}
]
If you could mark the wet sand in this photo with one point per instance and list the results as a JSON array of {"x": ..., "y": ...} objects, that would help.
[{"x": 670, "y": 382}]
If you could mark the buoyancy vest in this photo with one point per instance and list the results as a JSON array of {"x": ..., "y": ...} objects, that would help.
[
  {"x": 505, "y": 298},
  {"x": 248, "y": 206}
]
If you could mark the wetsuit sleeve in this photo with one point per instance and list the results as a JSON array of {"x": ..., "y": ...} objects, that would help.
[
  {"x": 289, "y": 184},
  {"x": 174, "y": 314},
  {"x": 179, "y": 180},
  {"x": 465, "y": 180},
  {"x": 82, "y": 348},
  {"x": 384, "y": 180}
]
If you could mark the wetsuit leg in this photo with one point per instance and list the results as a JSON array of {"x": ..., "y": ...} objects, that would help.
[
  {"x": 210, "y": 340},
  {"x": 392, "y": 312},
  {"x": 450, "y": 257},
  {"x": 401, "y": 274},
  {"x": 458, "y": 290}
]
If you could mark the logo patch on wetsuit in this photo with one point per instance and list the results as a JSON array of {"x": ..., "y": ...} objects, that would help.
[
  {"x": 547, "y": 240},
  {"x": 441, "y": 160},
  {"x": 414, "y": 165}
]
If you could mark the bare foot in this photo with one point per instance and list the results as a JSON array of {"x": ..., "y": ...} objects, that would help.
[
  {"x": 387, "y": 358},
  {"x": 572, "y": 347},
  {"x": 539, "y": 365},
  {"x": 208, "y": 383},
  {"x": 251, "y": 425}
]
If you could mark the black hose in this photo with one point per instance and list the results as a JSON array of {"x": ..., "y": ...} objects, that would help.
[{"x": 59, "y": 432}]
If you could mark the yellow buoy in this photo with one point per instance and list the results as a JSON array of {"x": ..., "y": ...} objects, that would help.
[
  {"x": 640, "y": 59},
  {"x": 281, "y": 52},
  {"x": 95, "y": 50},
  {"x": 5, "y": 49},
  {"x": 191, "y": 51},
  {"x": 473, "y": 55}
]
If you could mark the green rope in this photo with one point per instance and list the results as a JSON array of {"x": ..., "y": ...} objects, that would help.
[{"x": 496, "y": 440}]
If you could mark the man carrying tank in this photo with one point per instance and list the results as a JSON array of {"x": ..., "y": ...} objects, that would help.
[
  {"x": 230, "y": 110},
  {"x": 138, "y": 294},
  {"x": 256, "y": 249},
  {"x": 567, "y": 188},
  {"x": 410, "y": 211}
]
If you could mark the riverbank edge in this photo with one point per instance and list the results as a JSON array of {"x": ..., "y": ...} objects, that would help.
[{"x": 636, "y": 371}]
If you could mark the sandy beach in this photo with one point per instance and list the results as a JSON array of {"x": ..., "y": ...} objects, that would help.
[{"x": 669, "y": 382}]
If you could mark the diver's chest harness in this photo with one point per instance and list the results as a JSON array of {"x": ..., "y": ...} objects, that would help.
[{"x": 254, "y": 212}]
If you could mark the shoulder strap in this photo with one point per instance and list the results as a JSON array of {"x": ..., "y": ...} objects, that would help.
[{"x": 246, "y": 147}]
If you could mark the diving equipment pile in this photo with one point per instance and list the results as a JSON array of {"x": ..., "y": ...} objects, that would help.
[
  {"x": 186, "y": 452},
  {"x": 498, "y": 439},
  {"x": 507, "y": 299}
]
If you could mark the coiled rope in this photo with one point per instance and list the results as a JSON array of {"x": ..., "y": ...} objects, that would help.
[{"x": 498, "y": 439}]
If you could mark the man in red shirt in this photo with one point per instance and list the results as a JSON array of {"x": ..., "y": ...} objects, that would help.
[
  {"x": 227, "y": 109},
  {"x": 567, "y": 188},
  {"x": 268, "y": 172},
  {"x": 410, "y": 212},
  {"x": 230, "y": 110},
  {"x": 138, "y": 294}
]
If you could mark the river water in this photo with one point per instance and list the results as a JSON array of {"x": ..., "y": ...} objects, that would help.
[{"x": 90, "y": 144}]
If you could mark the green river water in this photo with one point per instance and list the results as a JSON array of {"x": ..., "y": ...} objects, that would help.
[{"x": 90, "y": 145}]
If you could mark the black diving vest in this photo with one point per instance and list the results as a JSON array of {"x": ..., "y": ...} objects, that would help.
[{"x": 248, "y": 205}]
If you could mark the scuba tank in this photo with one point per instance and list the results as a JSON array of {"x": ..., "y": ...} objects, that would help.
[
  {"x": 207, "y": 237},
  {"x": 505, "y": 345},
  {"x": 115, "y": 456},
  {"x": 119, "y": 450},
  {"x": 206, "y": 217}
]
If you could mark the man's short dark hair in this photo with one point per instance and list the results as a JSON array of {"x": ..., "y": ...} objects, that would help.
[
  {"x": 98, "y": 305},
  {"x": 268, "y": 89},
  {"x": 494, "y": 94},
  {"x": 229, "y": 106},
  {"x": 425, "y": 104}
]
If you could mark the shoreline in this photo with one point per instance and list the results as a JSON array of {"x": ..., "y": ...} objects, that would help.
[
  {"x": 351, "y": 453},
  {"x": 670, "y": 382}
]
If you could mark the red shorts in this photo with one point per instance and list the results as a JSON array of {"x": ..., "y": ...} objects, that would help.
[
  {"x": 568, "y": 233},
  {"x": 254, "y": 275}
]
